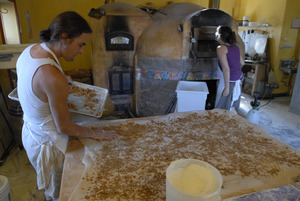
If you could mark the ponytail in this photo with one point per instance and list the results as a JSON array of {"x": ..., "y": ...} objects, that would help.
[
  {"x": 68, "y": 22},
  {"x": 45, "y": 35},
  {"x": 227, "y": 35},
  {"x": 232, "y": 38}
]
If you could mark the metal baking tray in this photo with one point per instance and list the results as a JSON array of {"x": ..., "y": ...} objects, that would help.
[
  {"x": 89, "y": 101},
  {"x": 14, "y": 95}
]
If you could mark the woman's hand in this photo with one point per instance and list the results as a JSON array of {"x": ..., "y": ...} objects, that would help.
[
  {"x": 225, "y": 92},
  {"x": 100, "y": 134}
]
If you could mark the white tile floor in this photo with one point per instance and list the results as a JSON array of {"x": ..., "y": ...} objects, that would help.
[{"x": 275, "y": 119}]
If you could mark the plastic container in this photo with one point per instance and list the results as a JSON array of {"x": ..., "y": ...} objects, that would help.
[
  {"x": 246, "y": 20},
  {"x": 4, "y": 189},
  {"x": 174, "y": 194},
  {"x": 253, "y": 24},
  {"x": 191, "y": 96}
]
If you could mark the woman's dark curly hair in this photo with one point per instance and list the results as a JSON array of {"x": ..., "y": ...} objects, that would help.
[
  {"x": 227, "y": 35},
  {"x": 68, "y": 22}
]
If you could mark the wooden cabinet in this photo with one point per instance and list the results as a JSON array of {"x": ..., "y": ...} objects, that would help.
[{"x": 255, "y": 76}]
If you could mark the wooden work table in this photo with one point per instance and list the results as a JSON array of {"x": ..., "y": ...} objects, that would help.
[{"x": 248, "y": 158}]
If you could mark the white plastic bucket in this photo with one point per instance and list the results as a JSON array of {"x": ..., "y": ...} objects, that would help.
[
  {"x": 191, "y": 96},
  {"x": 4, "y": 189},
  {"x": 174, "y": 194}
]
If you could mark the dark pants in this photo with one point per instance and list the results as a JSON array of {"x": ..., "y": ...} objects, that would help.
[{"x": 225, "y": 101}]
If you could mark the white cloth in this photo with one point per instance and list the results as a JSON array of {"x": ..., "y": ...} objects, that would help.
[
  {"x": 220, "y": 87},
  {"x": 45, "y": 147},
  {"x": 236, "y": 90},
  {"x": 47, "y": 161}
]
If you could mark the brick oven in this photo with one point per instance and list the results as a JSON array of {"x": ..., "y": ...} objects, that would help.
[
  {"x": 140, "y": 57},
  {"x": 178, "y": 45},
  {"x": 116, "y": 29}
]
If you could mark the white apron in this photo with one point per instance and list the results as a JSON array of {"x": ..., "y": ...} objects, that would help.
[
  {"x": 45, "y": 147},
  {"x": 236, "y": 90}
]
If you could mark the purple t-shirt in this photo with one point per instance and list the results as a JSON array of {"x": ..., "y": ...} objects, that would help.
[{"x": 233, "y": 58}]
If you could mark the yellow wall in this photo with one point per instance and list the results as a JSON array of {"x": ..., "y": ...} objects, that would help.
[
  {"x": 159, "y": 3},
  {"x": 41, "y": 15},
  {"x": 289, "y": 37},
  {"x": 42, "y": 12},
  {"x": 232, "y": 7},
  {"x": 278, "y": 15}
]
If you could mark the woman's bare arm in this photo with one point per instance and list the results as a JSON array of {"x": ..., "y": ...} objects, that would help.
[
  {"x": 222, "y": 55},
  {"x": 54, "y": 85}
]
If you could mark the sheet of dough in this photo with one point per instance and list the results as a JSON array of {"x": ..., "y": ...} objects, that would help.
[{"x": 133, "y": 166}]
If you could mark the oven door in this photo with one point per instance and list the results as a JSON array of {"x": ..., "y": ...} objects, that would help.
[
  {"x": 204, "y": 44},
  {"x": 119, "y": 41}
]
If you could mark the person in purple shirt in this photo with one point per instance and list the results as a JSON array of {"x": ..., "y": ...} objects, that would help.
[{"x": 230, "y": 61}]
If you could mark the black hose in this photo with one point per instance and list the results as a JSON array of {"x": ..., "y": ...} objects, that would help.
[
  {"x": 172, "y": 104},
  {"x": 264, "y": 96}
]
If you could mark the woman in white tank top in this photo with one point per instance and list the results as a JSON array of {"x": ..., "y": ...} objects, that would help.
[{"x": 43, "y": 92}]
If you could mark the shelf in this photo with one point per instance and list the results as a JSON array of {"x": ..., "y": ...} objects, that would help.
[
  {"x": 255, "y": 26},
  {"x": 9, "y": 55},
  {"x": 260, "y": 28},
  {"x": 254, "y": 62},
  {"x": 249, "y": 80},
  {"x": 259, "y": 77}
]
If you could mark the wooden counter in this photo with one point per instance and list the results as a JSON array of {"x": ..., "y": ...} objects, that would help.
[
  {"x": 133, "y": 166},
  {"x": 9, "y": 55}
]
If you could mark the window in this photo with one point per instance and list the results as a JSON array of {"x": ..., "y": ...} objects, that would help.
[{"x": 9, "y": 23}]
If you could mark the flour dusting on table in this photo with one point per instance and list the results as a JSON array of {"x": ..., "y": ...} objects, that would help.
[{"x": 133, "y": 166}]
